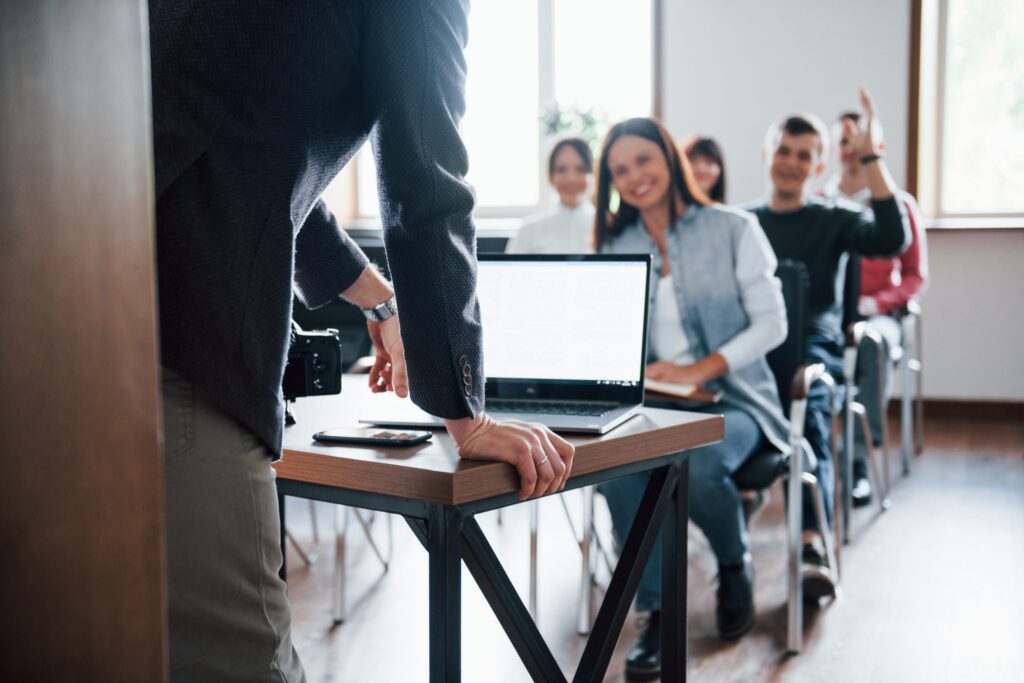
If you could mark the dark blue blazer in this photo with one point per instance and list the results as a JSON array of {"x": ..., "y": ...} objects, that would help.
[{"x": 256, "y": 107}]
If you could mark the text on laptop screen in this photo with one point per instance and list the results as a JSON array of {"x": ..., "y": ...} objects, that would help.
[{"x": 563, "y": 320}]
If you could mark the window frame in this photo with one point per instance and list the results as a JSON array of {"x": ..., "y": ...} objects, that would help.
[
  {"x": 929, "y": 41},
  {"x": 502, "y": 218}
]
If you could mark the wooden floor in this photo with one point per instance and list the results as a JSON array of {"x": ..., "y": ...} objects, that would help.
[{"x": 933, "y": 590}]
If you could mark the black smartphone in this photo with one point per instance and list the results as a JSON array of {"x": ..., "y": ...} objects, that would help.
[{"x": 372, "y": 436}]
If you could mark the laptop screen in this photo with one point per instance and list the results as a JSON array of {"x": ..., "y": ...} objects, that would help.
[{"x": 568, "y": 327}]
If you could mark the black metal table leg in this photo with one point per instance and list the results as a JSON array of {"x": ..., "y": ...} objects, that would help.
[
  {"x": 506, "y": 604},
  {"x": 444, "y": 529},
  {"x": 673, "y": 582},
  {"x": 626, "y": 578}
]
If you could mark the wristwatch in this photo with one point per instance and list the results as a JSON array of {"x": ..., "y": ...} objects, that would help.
[{"x": 382, "y": 311}]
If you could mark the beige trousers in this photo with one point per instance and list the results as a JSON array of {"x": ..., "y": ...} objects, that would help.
[{"x": 228, "y": 612}]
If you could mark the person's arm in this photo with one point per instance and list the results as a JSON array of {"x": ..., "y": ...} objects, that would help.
[
  {"x": 412, "y": 85},
  {"x": 913, "y": 265},
  {"x": 886, "y": 232},
  {"x": 761, "y": 296},
  {"x": 329, "y": 264},
  {"x": 413, "y": 79},
  {"x": 327, "y": 260}
]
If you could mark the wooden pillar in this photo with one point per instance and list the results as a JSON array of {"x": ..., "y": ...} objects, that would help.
[{"x": 81, "y": 510}]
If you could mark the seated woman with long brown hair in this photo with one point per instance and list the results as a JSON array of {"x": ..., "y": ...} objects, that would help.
[{"x": 716, "y": 310}]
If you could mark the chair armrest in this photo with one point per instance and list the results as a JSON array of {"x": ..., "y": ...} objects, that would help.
[
  {"x": 805, "y": 377},
  {"x": 854, "y": 333}
]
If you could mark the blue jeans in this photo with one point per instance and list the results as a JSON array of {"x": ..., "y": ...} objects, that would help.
[
  {"x": 714, "y": 502},
  {"x": 818, "y": 429},
  {"x": 874, "y": 379}
]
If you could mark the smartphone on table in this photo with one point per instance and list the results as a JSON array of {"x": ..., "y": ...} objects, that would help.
[{"x": 372, "y": 436}]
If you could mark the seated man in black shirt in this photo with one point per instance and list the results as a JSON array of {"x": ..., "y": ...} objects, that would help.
[{"x": 821, "y": 233}]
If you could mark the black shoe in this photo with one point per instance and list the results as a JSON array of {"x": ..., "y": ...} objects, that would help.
[
  {"x": 643, "y": 662},
  {"x": 861, "y": 493},
  {"x": 735, "y": 611},
  {"x": 815, "y": 574}
]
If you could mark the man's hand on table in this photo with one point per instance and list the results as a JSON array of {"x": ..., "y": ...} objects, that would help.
[{"x": 542, "y": 458}]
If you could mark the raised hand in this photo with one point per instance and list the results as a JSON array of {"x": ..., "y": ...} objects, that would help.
[{"x": 869, "y": 138}]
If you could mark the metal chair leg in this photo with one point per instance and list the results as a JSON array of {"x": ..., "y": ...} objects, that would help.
[
  {"x": 794, "y": 525},
  {"x": 845, "y": 461},
  {"x": 308, "y": 557},
  {"x": 584, "y": 610},
  {"x": 883, "y": 494},
  {"x": 534, "y": 507},
  {"x": 811, "y": 481},
  {"x": 365, "y": 524},
  {"x": 906, "y": 415},
  {"x": 338, "y": 607}
]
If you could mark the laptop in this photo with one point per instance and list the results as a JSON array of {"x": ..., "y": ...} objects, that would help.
[{"x": 565, "y": 339}]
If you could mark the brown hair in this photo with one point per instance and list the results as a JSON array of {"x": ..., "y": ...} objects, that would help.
[
  {"x": 578, "y": 144},
  {"x": 709, "y": 149},
  {"x": 681, "y": 182},
  {"x": 797, "y": 124}
]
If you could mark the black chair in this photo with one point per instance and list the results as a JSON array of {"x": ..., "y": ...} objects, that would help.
[
  {"x": 794, "y": 380},
  {"x": 857, "y": 333}
]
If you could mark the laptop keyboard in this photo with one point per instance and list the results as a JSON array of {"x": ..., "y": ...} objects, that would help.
[{"x": 547, "y": 407}]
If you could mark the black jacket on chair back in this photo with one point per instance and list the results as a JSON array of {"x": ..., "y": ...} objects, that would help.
[{"x": 256, "y": 107}]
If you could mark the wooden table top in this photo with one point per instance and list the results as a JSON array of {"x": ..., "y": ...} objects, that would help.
[{"x": 433, "y": 471}]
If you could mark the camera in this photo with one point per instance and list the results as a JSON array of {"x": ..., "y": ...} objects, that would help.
[{"x": 314, "y": 363}]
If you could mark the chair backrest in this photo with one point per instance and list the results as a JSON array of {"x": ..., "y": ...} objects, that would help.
[
  {"x": 786, "y": 358},
  {"x": 851, "y": 292}
]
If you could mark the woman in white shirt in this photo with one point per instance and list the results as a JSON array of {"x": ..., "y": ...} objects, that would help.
[{"x": 567, "y": 228}]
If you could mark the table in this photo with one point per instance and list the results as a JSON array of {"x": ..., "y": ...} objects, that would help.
[{"x": 438, "y": 494}]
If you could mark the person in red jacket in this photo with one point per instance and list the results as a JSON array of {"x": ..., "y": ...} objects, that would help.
[{"x": 886, "y": 286}]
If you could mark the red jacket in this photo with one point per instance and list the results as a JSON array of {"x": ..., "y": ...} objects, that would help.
[{"x": 892, "y": 282}]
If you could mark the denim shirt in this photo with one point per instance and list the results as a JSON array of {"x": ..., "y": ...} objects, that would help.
[{"x": 702, "y": 249}]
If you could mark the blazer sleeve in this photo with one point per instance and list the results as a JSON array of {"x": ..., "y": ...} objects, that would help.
[
  {"x": 414, "y": 79},
  {"x": 327, "y": 260}
]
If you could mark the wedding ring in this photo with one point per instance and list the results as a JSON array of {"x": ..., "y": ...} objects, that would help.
[{"x": 542, "y": 461}]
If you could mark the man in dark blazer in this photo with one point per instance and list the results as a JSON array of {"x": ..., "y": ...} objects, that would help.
[{"x": 256, "y": 107}]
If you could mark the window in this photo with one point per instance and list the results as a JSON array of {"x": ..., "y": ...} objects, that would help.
[
  {"x": 525, "y": 58},
  {"x": 972, "y": 138}
]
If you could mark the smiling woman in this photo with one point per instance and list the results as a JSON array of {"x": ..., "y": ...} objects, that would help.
[{"x": 717, "y": 309}]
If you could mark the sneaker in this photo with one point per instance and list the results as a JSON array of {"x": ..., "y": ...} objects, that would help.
[
  {"x": 861, "y": 492},
  {"x": 643, "y": 661},
  {"x": 815, "y": 574},
  {"x": 735, "y": 611}
]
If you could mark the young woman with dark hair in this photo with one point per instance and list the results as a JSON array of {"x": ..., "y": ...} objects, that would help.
[
  {"x": 708, "y": 165},
  {"x": 716, "y": 310},
  {"x": 568, "y": 227}
]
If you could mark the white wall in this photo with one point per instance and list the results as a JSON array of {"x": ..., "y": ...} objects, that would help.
[
  {"x": 731, "y": 67},
  {"x": 734, "y": 66}
]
